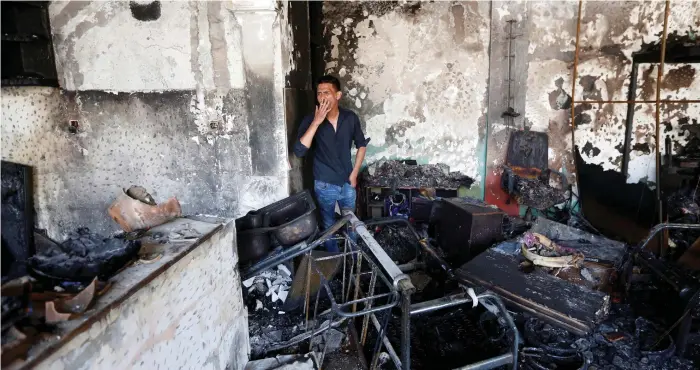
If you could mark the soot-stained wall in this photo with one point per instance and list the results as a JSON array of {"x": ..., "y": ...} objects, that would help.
[
  {"x": 184, "y": 98},
  {"x": 611, "y": 34},
  {"x": 425, "y": 77},
  {"x": 417, "y": 74}
]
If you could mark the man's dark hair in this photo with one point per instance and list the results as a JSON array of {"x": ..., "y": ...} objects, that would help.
[{"x": 328, "y": 79}]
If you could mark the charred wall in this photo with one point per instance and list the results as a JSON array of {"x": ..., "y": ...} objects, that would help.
[
  {"x": 298, "y": 91},
  {"x": 417, "y": 74},
  {"x": 430, "y": 80},
  {"x": 187, "y": 101},
  {"x": 611, "y": 35}
]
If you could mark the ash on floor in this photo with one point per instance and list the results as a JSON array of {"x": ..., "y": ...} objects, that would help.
[
  {"x": 457, "y": 336},
  {"x": 269, "y": 326},
  {"x": 264, "y": 295},
  {"x": 397, "y": 241},
  {"x": 621, "y": 342}
]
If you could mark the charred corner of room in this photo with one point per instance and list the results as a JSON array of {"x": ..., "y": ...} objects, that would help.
[
  {"x": 425, "y": 272},
  {"x": 47, "y": 284}
]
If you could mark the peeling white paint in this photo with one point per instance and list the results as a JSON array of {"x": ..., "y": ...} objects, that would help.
[
  {"x": 606, "y": 26},
  {"x": 425, "y": 102},
  {"x": 93, "y": 54},
  {"x": 503, "y": 12}
]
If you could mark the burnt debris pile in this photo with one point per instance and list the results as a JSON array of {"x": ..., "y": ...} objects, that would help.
[
  {"x": 683, "y": 207},
  {"x": 621, "y": 342},
  {"x": 46, "y": 283},
  {"x": 397, "y": 242},
  {"x": 264, "y": 295},
  {"x": 84, "y": 256},
  {"x": 399, "y": 174}
]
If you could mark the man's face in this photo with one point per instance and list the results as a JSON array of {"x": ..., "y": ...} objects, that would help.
[{"x": 327, "y": 92}]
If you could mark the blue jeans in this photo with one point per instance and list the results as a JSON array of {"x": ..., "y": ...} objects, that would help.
[{"x": 326, "y": 196}]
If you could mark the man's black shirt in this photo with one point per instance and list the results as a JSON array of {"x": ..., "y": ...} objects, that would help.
[{"x": 331, "y": 148}]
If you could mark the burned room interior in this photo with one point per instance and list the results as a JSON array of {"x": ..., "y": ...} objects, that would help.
[{"x": 524, "y": 184}]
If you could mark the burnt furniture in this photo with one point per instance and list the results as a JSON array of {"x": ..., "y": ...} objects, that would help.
[
  {"x": 560, "y": 302},
  {"x": 465, "y": 229},
  {"x": 680, "y": 290},
  {"x": 373, "y": 205},
  {"x": 285, "y": 222},
  {"x": 27, "y": 58},
  {"x": 17, "y": 219},
  {"x": 678, "y": 287},
  {"x": 526, "y": 174}
]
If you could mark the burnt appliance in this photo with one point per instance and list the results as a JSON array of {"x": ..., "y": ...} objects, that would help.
[
  {"x": 464, "y": 228},
  {"x": 526, "y": 174},
  {"x": 284, "y": 223}
]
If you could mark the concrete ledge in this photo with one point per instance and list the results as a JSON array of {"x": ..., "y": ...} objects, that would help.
[{"x": 183, "y": 311}]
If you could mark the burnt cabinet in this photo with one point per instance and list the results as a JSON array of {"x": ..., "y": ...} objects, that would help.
[{"x": 27, "y": 50}]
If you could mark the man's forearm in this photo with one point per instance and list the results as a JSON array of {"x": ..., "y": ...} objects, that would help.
[
  {"x": 359, "y": 158},
  {"x": 308, "y": 136}
]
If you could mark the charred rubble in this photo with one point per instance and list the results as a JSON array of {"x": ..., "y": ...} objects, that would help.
[
  {"x": 579, "y": 300},
  {"x": 46, "y": 283},
  {"x": 405, "y": 174}
]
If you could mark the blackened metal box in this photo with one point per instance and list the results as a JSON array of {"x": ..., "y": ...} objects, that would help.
[{"x": 466, "y": 229}]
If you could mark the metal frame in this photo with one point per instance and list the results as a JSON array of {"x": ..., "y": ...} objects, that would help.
[
  {"x": 643, "y": 257},
  {"x": 356, "y": 264},
  {"x": 408, "y": 309},
  {"x": 384, "y": 271}
]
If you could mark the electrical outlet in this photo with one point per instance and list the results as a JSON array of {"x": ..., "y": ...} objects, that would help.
[{"x": 73, "y": 126}]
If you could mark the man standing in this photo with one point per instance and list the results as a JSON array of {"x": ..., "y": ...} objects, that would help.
[{"x": 331, "y": 130}]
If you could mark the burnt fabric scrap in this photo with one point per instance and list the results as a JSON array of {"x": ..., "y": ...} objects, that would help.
[
  {"x": 401, "y": 175},
  {"x": 85, "y": 256}
]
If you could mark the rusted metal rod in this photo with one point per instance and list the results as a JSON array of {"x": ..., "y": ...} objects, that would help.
[
  {"x": 658, "y": 118},
  {"x": 573, "y": 91},
  {"x": 655, "y": 230},
  {"x": 635, "y": 101},
  {"x": 629, "y": 122},
  {"x": 575, "y": 72}
]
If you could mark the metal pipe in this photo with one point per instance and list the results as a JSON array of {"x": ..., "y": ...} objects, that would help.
[
  {"x": 304, "y": 336},
  {"x": 387, "y": 344},
  {"x": 510, "y": 64},
  {"x": 658, "y": 113},
  {"x": 433, "y": 253},
  {"x": 406, "y": 330},
  {"x": 411, "y": 266},
  {"x": 490, "y": 363},
  {"x": 655, "y": 230},
  {"x": 635, "y": 101},
  {"x": 509, "y": 320},
  {"x": 575, "y": 72},
  {"x": 383, "y": 259},
  {"x": 573, "y": 89},
  {"x": 630, "y": 119},
  {"x": 440, "y": 303}
]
